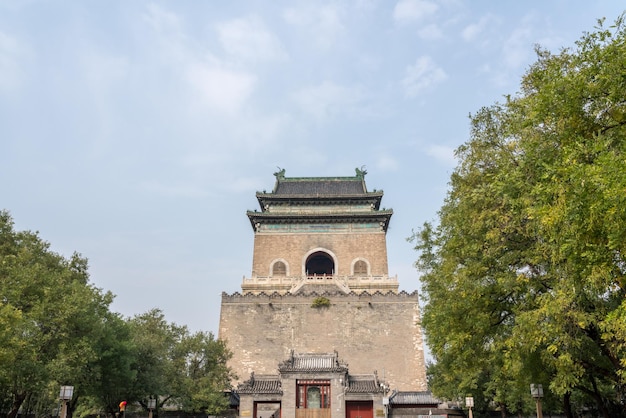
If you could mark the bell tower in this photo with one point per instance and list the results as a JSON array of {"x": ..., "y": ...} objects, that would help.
[
  {"x": 320, "y": 230},
  {"x": 320, "y": 284}
]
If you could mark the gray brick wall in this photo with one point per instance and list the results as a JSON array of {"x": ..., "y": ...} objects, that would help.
[
  {"x": 370, "y": 332},
  {"x": 346, "y": 247}
]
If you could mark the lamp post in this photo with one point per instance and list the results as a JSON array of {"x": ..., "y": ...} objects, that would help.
[
  {"x": 151, "y": 406},
  {"x": 65, "y": 395},
  {"x": 469, "y": 402},
  {"x": 386, "y": 406},
  {"x": 536, "y": 391}
]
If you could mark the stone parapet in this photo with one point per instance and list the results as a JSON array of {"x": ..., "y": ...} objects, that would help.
[{"x": 294, "y": 284}]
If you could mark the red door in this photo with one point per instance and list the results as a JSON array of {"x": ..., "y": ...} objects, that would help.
[{"x": 360, "y": 409}]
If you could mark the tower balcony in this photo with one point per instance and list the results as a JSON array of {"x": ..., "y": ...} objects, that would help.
[{"x": 294, "y": 284}]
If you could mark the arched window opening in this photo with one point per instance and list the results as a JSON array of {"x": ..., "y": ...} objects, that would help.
[
  {"x": 320, "y": 263},
  {"x": 279, "y": 269},
  {"x": 360, "y": 268}
]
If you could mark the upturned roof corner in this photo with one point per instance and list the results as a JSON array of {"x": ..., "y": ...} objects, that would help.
[{"x": 336, "y": 199}]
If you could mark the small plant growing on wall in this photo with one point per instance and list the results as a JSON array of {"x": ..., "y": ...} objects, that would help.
[{"x": 320, "y": 302}]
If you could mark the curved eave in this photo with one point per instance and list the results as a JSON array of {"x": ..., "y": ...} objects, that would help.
[
  {"x": 273, "y": 218},
  {"x": 295, "y": 199}
]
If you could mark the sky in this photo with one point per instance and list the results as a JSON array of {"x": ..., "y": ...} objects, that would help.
[{"x": 137, "y": 133}]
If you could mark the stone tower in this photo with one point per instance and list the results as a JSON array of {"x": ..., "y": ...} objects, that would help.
[{"x": 320, "y": 284}]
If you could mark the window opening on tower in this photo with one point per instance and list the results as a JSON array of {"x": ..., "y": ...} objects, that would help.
[
  {"x": 360, "y": 268},
  {"x": 279, "y": 269},
  {"x": 320, "y": 263}
]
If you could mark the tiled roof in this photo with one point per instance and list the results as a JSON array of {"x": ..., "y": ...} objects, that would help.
[
  {"x": 261, "y": 384},
  {"x": 381, "y": 217},
  {"x": 322, "y": 217},
  {"x": 321, "y": 186},
  {"x": 364, "y": 384},
  {"x": 313, "y": 363},
  {"x": 413, "y": 398}
]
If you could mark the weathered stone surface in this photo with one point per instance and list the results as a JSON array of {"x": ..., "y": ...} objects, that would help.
[{"x": 378, "y": 332}]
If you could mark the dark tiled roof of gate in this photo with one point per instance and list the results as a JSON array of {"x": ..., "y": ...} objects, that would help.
[
  {"x": 312, "y": 363},
  {"x": 323, "y": 186},
  {"x": 413, "y": 398},
  {"x": 261, "y": 384},
  {"x": 363, "y": 384}
]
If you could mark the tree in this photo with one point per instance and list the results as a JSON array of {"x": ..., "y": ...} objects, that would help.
[
  {"x": 52, "y": 314},
  {"x": 202, "y": 360},
  {"x": 109, "y": 377},
  {"x": 177, "y": 367},
  {"x": 155, "y": 341},
  {"x": 56, "y": 329},
  {"x": 524, "y": 276}
]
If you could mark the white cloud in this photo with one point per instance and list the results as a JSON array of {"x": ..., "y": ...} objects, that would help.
[
  {"x": 173, "y": 45},
  {"x": 322, "y": 23},
  {"x": 387, "y": 163},
  {"x": 245, "y": 184},
  {"x": 328, "y": 99},
  {"x": 179, "y": 190},
  {"x": 430, "y": 32},
  {"x": 248, "y": 39},
  {"x": 214, "y": 83},
  {"x": 104, "y": 76},
  {"x": 515, "y": 51},
  {"x": 260, "y": 132},
  {"x": 442, "y": 153},
  {"x": 219, "y": 88},
  {"x": 422, "y": 75},
  {"x": 11, "y": 53},
  {"x": 198, "y": 162},
  {"x": 162, "y": 20},
  {"x": 472, "y": 31},
  {"x": 413, "y": 10},
  {"x": 507, "y": 50},
  {"x": 102, "y": 70},
  {"x": 518, "y": 47}
]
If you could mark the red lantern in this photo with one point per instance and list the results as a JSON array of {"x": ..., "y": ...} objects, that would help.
[{"x": 122, "y": 405}]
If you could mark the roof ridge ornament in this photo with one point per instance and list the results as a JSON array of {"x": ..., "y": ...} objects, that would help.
[
  {"x": 361, "y": 172},
  {"x": 280, "y": 174}
]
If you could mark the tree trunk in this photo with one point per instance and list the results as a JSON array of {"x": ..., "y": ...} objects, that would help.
[
  {"x": 18, "y": 400},
  {"x": 598, "y": 397},
  {"x": 567, "y": 406},
  {"x": 602, "y": 406},
  {"x": 71, "y": 405},
  {"x": 502, "y": 410}
]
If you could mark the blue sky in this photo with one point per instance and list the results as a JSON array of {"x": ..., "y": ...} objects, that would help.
[{"x": 137, "y": 133}]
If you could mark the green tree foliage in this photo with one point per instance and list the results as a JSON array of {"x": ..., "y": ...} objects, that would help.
[
  {"x": 524, "y": 275},
  {"x": 179, "y": 368},
  {"x": 111, "y": 376},
  {"x": 202, "y": 362},
  {"x": 155, "y": 341},
  {"x": 56, "y": 329},
  {"x": 51, "y": 312}
]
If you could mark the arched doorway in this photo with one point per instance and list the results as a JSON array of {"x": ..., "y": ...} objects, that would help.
[{"x": 319, "y": 263}]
